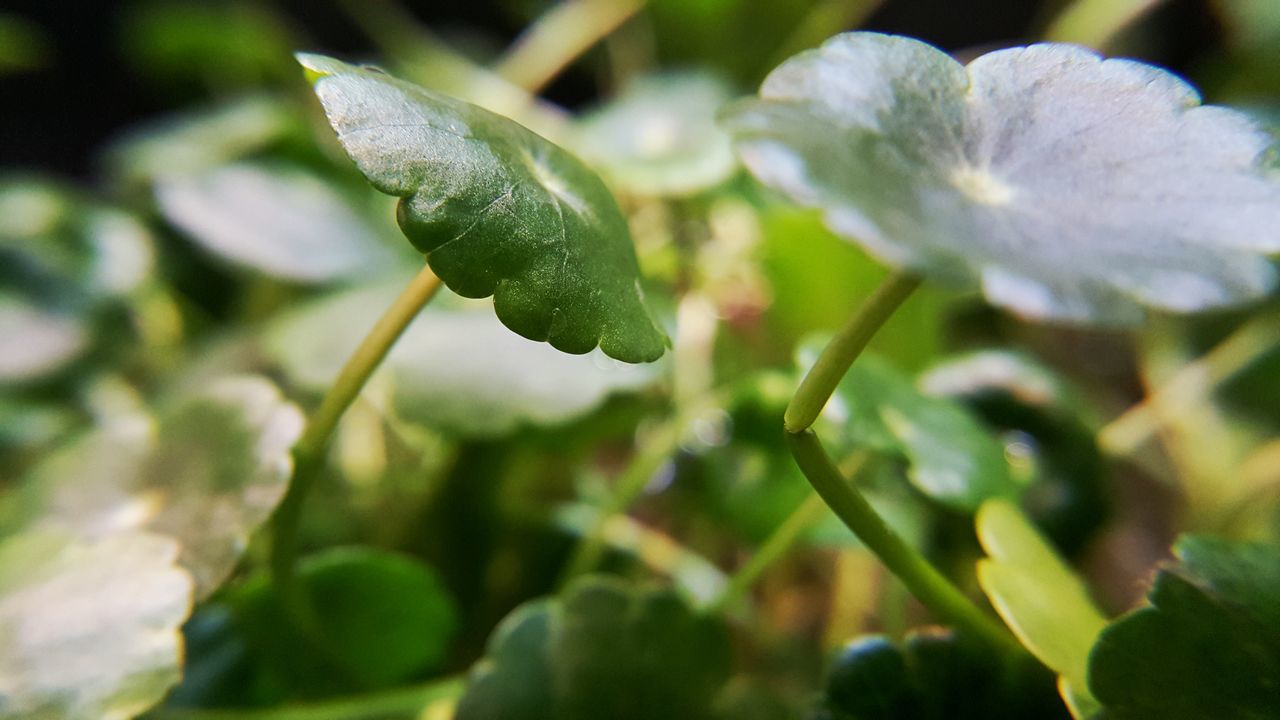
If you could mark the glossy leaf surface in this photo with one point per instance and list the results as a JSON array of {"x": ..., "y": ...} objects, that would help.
[{"x": 497, "y": 210}]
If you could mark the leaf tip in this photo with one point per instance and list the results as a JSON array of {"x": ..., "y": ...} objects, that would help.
[{"x": 315, "y": 66}]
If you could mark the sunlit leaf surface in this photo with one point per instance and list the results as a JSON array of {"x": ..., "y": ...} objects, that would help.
[
  {"x": 1069, "y": 187},
  {"x": 497, "y": 210},
  {"x": 89, "y": 630},
  {"x": 207, "y": 471}
]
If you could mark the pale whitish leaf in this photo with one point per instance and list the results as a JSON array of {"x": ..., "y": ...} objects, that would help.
[
  {"x": 455, "y": 369},
  {"x": 89, "y": 630},
  {"x": 497, "y": 210},
  {"x": 277, "y": 220},
  {"x": 1069, "y": 187},
  {"x": 208, "y": 471},
  {"x": 34, "y": 342},
  {"x": 660, "y": 137}
]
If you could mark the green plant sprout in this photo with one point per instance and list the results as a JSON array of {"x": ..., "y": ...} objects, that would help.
[{"x": 262, "y": 459}]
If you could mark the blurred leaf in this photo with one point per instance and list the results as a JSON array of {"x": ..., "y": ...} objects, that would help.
[
  {"x": 660, "y": 137},
  {"x": 386, "y": 616},
  {"x": 63, "y": 260},
  {"x": 457, "y": 370},
  {"x": 1253, "y": 24},
  {"x": 23, "y": 45},
  {"x": 497, "y": 210},
  {"x": 222, "y": 45},
  {"x": 1047, "y": 432},
  {"x": 207, "y": 472},
  {"x": 1045, "y": 604},
  {"x": 90, "y": 629},
  {"x": 278, "y": 220},
  {"x": 912, "y": 155},
  {"x": 1096, "y": 23},
  {"x": 197, "y": 141},
  {"x": 1208, "y": 646},
  {"x": 603, "y": 649},
  {"x": 35, "y": 343},
  {"x": 952, "y": 458},
  {"x": 933, "y": 676}
]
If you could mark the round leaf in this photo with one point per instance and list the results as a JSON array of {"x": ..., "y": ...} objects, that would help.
[
  {"x": 497, "y": 210},
  {"x": 91, "y": 631},
  {"x": 387, "y": 616},
  {"x": 207, "y": 472},
  {"x": 280, "y": 221},
  {"x": 660, "y": 136},
  {"x": 1069, "y": 187},
  {"x": 602, "y": 650},
  {"x": 457, "y": 370}
]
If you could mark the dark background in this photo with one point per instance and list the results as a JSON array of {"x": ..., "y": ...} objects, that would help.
[{"x": 54, "y": 118}]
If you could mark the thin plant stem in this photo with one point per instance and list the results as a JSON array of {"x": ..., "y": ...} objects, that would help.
[
  {"x": 309, "y": 453},
  {"x": 558, "y": 37},
  {"x": 925, "y": 582},
  {"x": 929, "y": 585},
  {"x": 816, "y": 388},
  {"x": 658, "y": 445},
  {"x": 399, "y": 701},
  {"x": 784, "y": 537}
]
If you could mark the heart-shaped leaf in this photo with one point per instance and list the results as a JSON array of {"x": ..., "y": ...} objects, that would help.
[
  {"x": 497, "y": 210},
  {"x": 1069, "y": 187},
  {"x": 603, "y": 650},
  {"x": 1208, "y": 646},
  {"x": 207, "y": 472},
  {"x": 90, "y": 630},
  {"x": 454, "y": 369}
]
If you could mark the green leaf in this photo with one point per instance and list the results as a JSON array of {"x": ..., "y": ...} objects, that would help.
[
  {"x": 1048, "y": 434},
  {"x": 278, "y": 220},
  {"x": 660, "y": 137},
  {"x": 208, "y": 471},
  {"x": 1066, "y": 186},
  {"x": 497, "y": 210},
  {"x": 1208, "y": 646},
  {"x": 1038, "y": 596},
  {"x": 386, "y": 616},
  {"x": 90, "y": 630},
  {"x": 456, "y": 369},
  {"x": 952, "y": 458},
  {"x": 932, "y": 676},
  {"x": 602, "y": 650}
]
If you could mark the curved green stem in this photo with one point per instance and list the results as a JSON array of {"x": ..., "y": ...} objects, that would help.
[
  {"x": 406, "y": 701},
  {"x": 929, "y": 585},
  {"x": 308, "y": 454},
  {"x": 816, "y": 388},
  {"x": 924, "y": 581}
]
